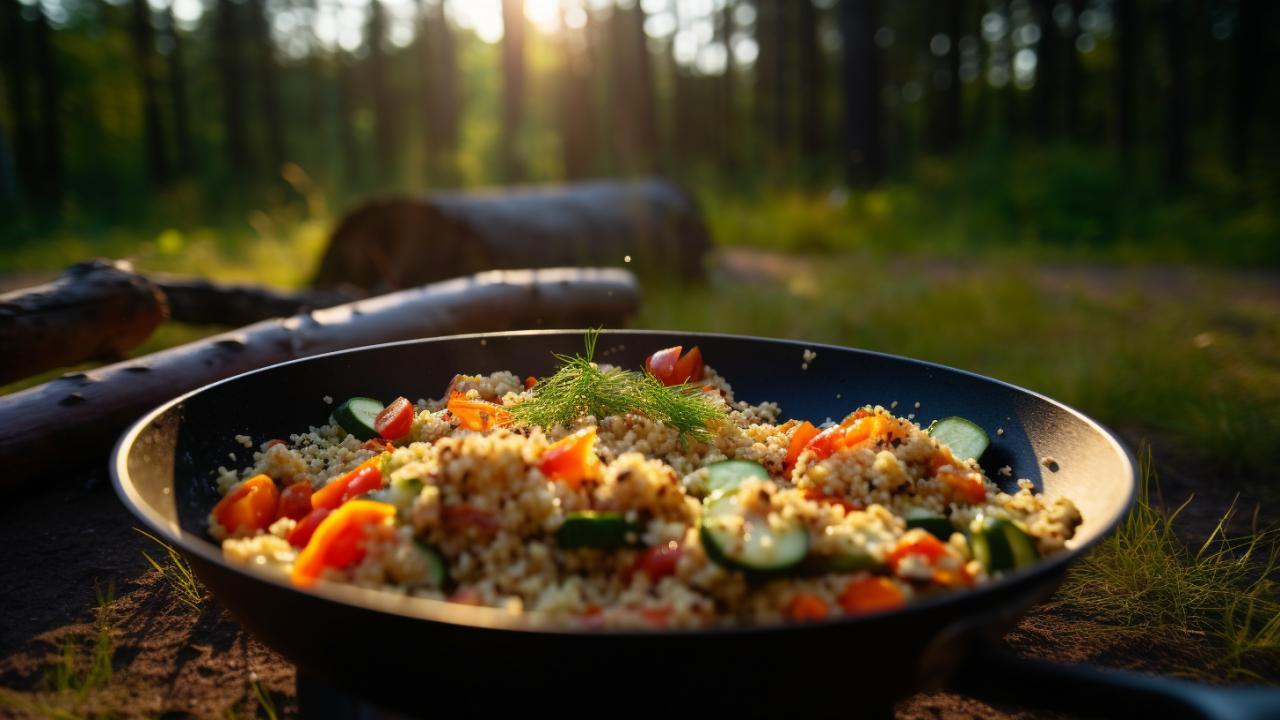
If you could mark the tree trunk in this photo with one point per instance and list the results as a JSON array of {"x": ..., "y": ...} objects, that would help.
[
  {"x": 1177, "y": 109},
  {"x": 86, "y": 411},
  {"x": 96, "y": 310},
  {"x": 1074, "y": 90},
  {"x": 50, "y": 83},
  {"x": 576, "y": 112},
  {"x": 947, "y": 110},
  {"x": 348, "y": 143},
  {"x": 644, "y": 100},
  {"x": 512, "y": 88},
  {"x": 144, "y": 50},
  {"x": 812, "y": 83},
  {"x": 380, "y": 94},
  {"x": 203, "y": 302},
  {"x": 178, "y": 95},
  {"x": 14, "y": 34},
  {"x": 1126, "y": 32},
  {"x": 864, "y": 160},
  {"x": 227, "y": 44},
  {"x": 1046, "y": 88},
  {"x": 1249, "y": 29},
  {"x": 449, "y": 100},
  {"x": 730, "y": 139},
  {"x": 267, "y": 71}
]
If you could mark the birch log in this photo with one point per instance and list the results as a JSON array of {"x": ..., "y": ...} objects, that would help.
[{"x": 76, "y": 417}]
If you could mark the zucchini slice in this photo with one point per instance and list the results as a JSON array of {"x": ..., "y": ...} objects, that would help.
[
  {"x": 729, "y": 474},
  {"x": 437, "y": 571},
  {"x": 357, "y": 416},
  {"x": 1000, "y": 545},
  {"x": 936, "y": 525},
  {"x": 591, "y": 529},
  {"x": 843, "y": 563},
  {"x": 964, "y": 437},
  {"x": 745, "y": 542}
]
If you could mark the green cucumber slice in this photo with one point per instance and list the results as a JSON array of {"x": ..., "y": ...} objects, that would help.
[
  {"x": 844, "y": 563},
  {"x": 1001, "y": 546},
  {"x": 935, "y": 524},
  {"x": 964, "y": 437},
  {"x": 591, "y": 529},
  {"x": 437, "y": 571},
  {"x": 729, "y": 474},
  {"x": 745, "y": 542},
  {"x": 357, "y": 415}
]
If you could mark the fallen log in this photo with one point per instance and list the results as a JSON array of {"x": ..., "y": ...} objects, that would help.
[
  {"x": 650, "y": 226},
  {"x": 95, "y": 310},
  {"x": 205, "y": 302},
  {"x": 76, "y": 417}
]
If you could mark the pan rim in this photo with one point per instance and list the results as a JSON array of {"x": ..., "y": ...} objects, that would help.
[{"x": 429, "y": 610}]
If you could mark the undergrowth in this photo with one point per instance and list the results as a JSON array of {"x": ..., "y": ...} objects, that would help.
[
  {"x": 177, "y": 572},
  {"x": 1144, "y": 580}
]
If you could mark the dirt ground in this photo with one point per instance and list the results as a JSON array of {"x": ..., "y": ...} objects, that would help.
[{"x": 175, "y": 662}]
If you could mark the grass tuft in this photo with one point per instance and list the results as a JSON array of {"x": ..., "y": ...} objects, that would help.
[
  {"x": 1145, "y": 580},
  {"x": 177, "y": 573}
]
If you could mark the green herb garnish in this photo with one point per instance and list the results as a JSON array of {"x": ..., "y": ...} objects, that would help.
[{"x": 580, "y": 388}]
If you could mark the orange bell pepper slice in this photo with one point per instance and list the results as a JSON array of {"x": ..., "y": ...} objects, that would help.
[
  {"x": 338, "y": 540},
  {"x": 249, "y": 507},
  {"x": 870, "y": 593},
  {"x": 799, "y": 439},
  {"x": 966, "y": 486},
  {"x": 919, "y": 543},
  {"x": 365, "y": 477},
  {"x": 478, "y": 415},
  {"x": 572, "y": 458}
]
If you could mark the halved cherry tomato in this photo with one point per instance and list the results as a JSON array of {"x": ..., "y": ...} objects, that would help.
[
  {"x": 658, "y": 561},
  {"x": 860, "y": 426},
  {"x": 918, "y": 543},
  {"x": 249, "y": 507},
  {"x": 668, "y": 366},
  {"x": 295, "y": 501},
  {"x": 478, "y": 415},
  {"x": 364, "y": 478},
  {"x": 529, "y": 382},
  {"x": 339, "y": 539},
  {"x": 806, "y": 606},
  {"x": 799, "y": 439},
  {"x": 823, "y": 444},
  {"x": 870, "y": 593},
  {"x": 377, "y": 445},
  {"x": 457, "y": 518},
  {"x": 306, "y": 527},
  {"x": 572, "y": 459},
  {"x": 395, "y": 419}
]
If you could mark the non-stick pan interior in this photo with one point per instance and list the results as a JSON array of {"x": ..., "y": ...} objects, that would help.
[{"x": 166, "y": 465}]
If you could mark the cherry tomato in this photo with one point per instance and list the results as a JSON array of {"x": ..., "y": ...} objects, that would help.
[
  {"x": 306, "y": 527},
  {"x": 249, "y": 507},
  {"x": 658, "y": 561},
  {"x": 395, "y": 419},
  {"x": 295, "y": 501}
]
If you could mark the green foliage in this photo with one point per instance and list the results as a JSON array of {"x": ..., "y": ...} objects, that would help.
[
  {"x": 1144, "y": 580},
  {"x": 177, "y": 572},
  {"x": 580, "y": 388}
]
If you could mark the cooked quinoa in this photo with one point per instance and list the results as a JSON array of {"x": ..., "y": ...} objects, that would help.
[{"x": 483, "y": 516}]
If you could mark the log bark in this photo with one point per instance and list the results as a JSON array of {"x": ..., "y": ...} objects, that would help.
[
  {"x": 96, "y": 310},
  {"x": 75, "y": 418},
  {"x": 204, "y": 302},
  {"x": 403, "y": 242}
]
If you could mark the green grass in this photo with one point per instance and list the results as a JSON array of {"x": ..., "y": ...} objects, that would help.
[
  {"x": 81, "y": 668},
  {"x": 1222, "y": 595},
  {"x": 177, "y": 573}
]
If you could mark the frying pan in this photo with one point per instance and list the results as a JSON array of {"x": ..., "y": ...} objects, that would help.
[{"x": 420, "y": 657}]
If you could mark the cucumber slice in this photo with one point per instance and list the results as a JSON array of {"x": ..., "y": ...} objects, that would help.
[
  {"x": 357, "y": 415},
  {"x": 936, "y": 525},
  {"x": 399, "y": 493},
  {"x": 591, "y": 529},
  {"x": 745, "y": 542},
  {"x": 437, "y": 571},
  {"x": 845, "y": 563},
  {"x": 729, "y": 474},
  {"x": 964, "y": 437},
  {"x": 1000, "y": 545}
]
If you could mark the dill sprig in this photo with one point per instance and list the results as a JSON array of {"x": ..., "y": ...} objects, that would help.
[{"x": 581, "y": 388}]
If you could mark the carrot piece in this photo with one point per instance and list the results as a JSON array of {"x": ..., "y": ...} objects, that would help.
[
  {"x": 339, "y": 539},
  {"x": 870, "y": 593},
  {"x": 249, "y": 507},
  {"x": 806, "y": 606}
]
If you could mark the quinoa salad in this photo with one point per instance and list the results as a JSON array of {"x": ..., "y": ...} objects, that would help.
[{"x": 609, "y": 497}]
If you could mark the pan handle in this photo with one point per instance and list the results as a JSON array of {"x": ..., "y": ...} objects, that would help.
[{"x": 997, "y": 674}]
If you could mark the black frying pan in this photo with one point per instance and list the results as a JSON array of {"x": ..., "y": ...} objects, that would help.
[{"x": 423, "y": 657}]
